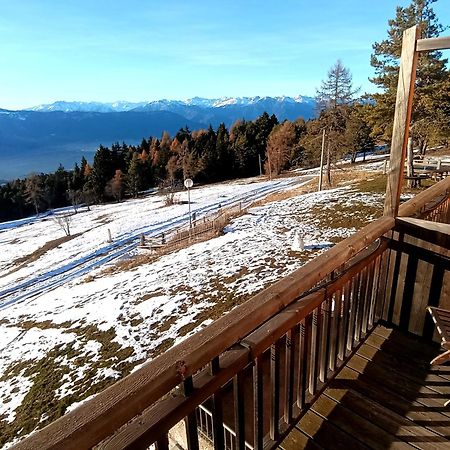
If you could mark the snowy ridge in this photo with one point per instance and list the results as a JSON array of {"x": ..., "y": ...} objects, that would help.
[
  {"x": 63, "y": 106},
  {"x": 164, "y": 104}
]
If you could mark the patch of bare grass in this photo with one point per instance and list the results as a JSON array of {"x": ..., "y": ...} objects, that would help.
[
  {"x": 41, "y": 404},
  {"x": 23, "y": 261}
]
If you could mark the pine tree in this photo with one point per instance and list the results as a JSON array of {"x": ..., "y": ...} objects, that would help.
[
  {"x": 102, "y": 171},
  {"x": 223, "y": 151},
  {"x": 134, "y": 176},
  {"x": 431, "y": 72},
  {"x": 358, "y": 131}
]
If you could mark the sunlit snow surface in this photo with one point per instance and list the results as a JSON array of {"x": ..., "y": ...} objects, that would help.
[{"x": 155, "y": 304}]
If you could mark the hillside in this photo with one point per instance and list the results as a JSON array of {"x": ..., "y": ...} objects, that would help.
[{"x": 68, "y": 329}]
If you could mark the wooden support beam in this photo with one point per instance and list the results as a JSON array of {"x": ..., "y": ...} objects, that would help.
[
  {"x": 432, "y": 44},
  {"x": 417, "y": 204},
  {"x": 402, "y": 118},
  {"x": 431, "y": 232}
]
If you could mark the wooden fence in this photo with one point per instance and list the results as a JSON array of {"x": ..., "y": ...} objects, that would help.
[{"x": 201, "y": 228}]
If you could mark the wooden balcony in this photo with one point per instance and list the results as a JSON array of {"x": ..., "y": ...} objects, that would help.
[
  {"x": 333, "y": 356},
  {"x": 387, "y": 396}
]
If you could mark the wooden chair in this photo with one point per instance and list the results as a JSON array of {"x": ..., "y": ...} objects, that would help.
[{"x": 441, "y": 318}]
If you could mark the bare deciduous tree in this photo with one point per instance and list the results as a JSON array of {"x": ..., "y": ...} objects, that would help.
[
  {"x": 34, "y": 190},
  {"x": 64, "y": 221}
]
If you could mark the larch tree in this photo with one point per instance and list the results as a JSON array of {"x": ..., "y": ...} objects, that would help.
[
  {"x": 334, "y": 97},
  {"x": 282, "y": 144},
  {"x": 34, "y": 190},
  {"x": 115, "y": 186}
]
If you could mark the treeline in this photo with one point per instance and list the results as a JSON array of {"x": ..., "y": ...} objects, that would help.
[
  {"x": 125, "y": 170},
  {"x": 206, "y": 156}
]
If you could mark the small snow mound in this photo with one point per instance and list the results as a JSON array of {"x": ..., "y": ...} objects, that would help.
[{"x": 298, "y": 245}]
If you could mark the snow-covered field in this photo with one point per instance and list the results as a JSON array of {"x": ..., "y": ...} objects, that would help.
[{"x": 71, "y": 336}]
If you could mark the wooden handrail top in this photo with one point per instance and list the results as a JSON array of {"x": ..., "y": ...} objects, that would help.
[
  {"x": 432, "y": 44},
  {"x": 119, "y": 403},
  {"x": 415, "y": 204}
]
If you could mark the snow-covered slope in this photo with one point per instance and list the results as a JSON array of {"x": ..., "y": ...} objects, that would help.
[{"x": 71, "y": 340}]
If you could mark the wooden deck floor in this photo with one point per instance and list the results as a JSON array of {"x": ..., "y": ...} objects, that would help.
[{"x": 387, "y": 396}]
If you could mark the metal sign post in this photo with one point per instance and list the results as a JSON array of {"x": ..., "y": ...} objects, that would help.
[{"x": 188, "y": 183}]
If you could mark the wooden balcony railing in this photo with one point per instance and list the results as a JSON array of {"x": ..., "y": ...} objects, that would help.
[{"x": 258, "y": 368}]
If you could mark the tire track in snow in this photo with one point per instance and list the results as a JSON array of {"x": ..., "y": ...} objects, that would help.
[{"x": 54, "y": 278}]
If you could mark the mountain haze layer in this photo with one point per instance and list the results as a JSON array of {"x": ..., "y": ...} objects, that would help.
[{"x": 38, "y": 139}]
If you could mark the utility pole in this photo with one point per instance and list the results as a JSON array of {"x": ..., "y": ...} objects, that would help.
[
  {"x": 188, "y": 183},
  {"x": 270, "y": 165},
  {"x": 321, "y": 160}
]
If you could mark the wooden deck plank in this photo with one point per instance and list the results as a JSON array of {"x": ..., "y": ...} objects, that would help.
[
  {"x": 355, "y": 425},
  {"x": 395, "y": 424},
  {"x": 406, "y": 369},
  {"x": 387, "y": 396},
  {"x": 407, "y": 388},
  {"x": 414, "y": 411},
  {"x": 326, "y": 434},
  {"x": 401, "y": 347},
  {"x": 297, "y": 440}
]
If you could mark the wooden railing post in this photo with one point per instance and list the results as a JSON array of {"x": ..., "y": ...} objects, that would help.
[{"x": 402, "y": 118}]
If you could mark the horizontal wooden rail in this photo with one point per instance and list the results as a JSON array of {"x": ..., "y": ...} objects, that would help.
[
  {"x": 418, "y": 203},
  {"x": 432, "y": 44},
  {"x": 430, "y": 232},
  {"x": 169, "y": 411}
]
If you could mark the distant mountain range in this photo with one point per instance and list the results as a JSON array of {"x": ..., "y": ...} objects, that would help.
[{"x": 40, "y": 138}]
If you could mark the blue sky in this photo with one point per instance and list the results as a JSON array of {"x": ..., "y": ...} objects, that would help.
[{"x": 135, "y": 50}]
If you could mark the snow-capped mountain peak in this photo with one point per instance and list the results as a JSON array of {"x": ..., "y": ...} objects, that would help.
[
  {"x": 164, "y": 104},
  {"x": 64, "y": 106}
]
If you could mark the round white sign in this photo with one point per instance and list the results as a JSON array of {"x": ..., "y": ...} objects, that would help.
[{"x": 188, "y": 183}]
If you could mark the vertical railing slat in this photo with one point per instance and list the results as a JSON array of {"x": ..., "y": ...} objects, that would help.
[
  {"x": 258, "y": 412},
  {"x": 190, "y": 419},
  {"x": 289, "y": 375},
  {"x": 239, "y": 411},
  {"x": 324, "y": 340},
  {"x": 336, "y": 309},
  {"x": 162, "y": 443},
  {"x": 217, "y": 411},
  {"x": 275, "y": 390},
  {"x": 343, "y": 332},
  {"x": 353, "y": 307},
  {"x": 369, "y": 296},
  {"x": 376, "y": 281},
  {"x": 315, "y": 353},
  {"x": 360, "y": 305},
  {"x": 304, "y": 336}
]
